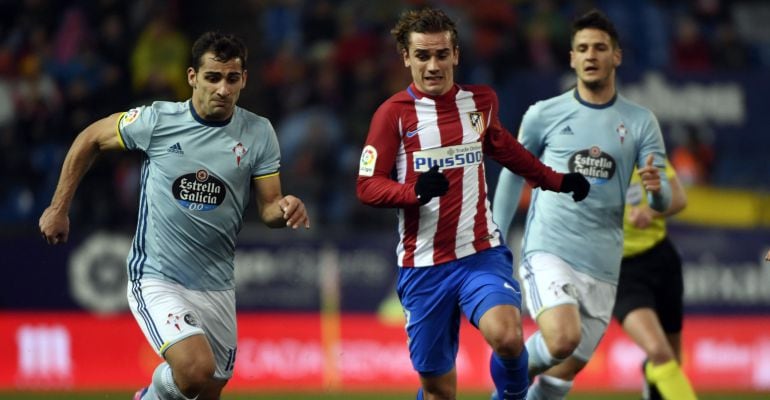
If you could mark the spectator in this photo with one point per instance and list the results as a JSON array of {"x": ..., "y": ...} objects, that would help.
[
  {"x": 160, "y": 53},
  {"x": 690, "y": 51}
]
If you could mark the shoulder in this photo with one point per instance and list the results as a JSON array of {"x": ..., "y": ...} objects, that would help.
[
  {"x": 251, "y": 117},
  {"x": 145, "y": 116},
  {"x": 553, "y": 107},
  {"x": 634, "y": 109},
  {"x": 480, "y": 92},
  {"x": 252, "y": 122},
  {"x": 478, "y": 89},
  {"x": 164, "y": 112},
  {"x": 169, "y": 107},
  {"x": 396, "y": 103}
]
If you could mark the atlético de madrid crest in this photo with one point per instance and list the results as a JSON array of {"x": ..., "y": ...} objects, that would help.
[{"x": 477, "y": 121}]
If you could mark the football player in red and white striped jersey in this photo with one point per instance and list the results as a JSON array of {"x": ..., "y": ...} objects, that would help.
[{"x": 434, "y": 135}]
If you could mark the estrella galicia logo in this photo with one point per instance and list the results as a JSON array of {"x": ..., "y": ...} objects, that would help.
[
  {"x": 199, "y": 191},
  {"x": 597, "y": 166}
]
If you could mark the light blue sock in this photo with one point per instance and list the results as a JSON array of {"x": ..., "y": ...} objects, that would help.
[
  {"x": 549, "y": 388},
  {"x": 510, "y": 376},
  {"x": 419, "y": 395},
  {"x": 163, "y": 386},
  {"x": 540, "y": 359}
]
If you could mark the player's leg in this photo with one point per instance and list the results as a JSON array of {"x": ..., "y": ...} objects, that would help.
[
  {"x": 638, "y": 289},
  {"x": 501, "y": 327},
  {"x": 556, "y": 382},
  {"x": 213, "y": 391},
  {"x": 668, "y": 376},
  {"x": 429, "y": 299},
  {"x": 595, "y": 311},
  {"x": 643, "y": 327},
  {"x": 169, "y": 322},
  {"x": 438, "y": 387},
  {"x": 192, "y": 364},
  {"x": 217, "y": 311},
  {"x": 491, "y": 299},
  {"x": 551, "y": 299},
  {"x": 675, "y": 341}
]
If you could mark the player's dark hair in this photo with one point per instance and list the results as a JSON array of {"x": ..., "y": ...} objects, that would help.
[
  {"x": 426, "y": 20},
  {"x": 225, "y": 47},
  {"x": 596, "y": 19}
]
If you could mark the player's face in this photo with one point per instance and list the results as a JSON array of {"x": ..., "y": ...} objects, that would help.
[
  {"x": 594, "y": 58},
  {"x": 431, "y": 57},
  {"x": 216, "y": 87}
]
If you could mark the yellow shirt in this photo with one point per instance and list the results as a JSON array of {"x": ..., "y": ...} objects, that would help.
[{"x": 635, "y": 240}]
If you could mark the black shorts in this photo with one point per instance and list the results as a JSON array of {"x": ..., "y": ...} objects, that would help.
[{"x": 653, "y": 279}]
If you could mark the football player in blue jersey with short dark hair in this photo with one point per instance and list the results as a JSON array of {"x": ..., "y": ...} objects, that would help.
[{"x": 201, "y": 159}]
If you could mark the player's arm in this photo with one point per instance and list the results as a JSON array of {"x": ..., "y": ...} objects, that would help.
[
  {"x": 100, "y": 136},
  {"x": 678, "y": 199},
  {"x": 500, "y": 144},
  {"x": 651, "y": 161},
  {"x": 374, "y": 185},
  {"x": 641, "y": 216},
  {"x": 277, "y": 210},
  {"x": 506, "y": 200}
]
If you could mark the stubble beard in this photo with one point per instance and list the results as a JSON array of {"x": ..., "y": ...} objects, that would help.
[{"x": 595, "y": 85}]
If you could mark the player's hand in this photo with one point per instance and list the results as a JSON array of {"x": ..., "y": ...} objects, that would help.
[
  {"x": 576, "y": 183},
  {"x": 640, "y": 217},
  {"x": 294, "y": 212},
  {"x": 54, "y": 226},
  {"x": 431, "y": 184},
  {"x": 650, "y": 176}
]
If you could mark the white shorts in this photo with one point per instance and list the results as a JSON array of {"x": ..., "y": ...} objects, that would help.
[
  {"x": 549, "y": 281},
  {"x": 168, "y": 312}
]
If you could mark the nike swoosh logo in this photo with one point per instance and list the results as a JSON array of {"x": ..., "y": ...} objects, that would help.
[
  {"x": 507, "y": 286},
  {"x": 412, "y": 133}
]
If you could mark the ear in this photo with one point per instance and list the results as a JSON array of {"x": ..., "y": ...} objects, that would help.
[
  {"x": 245, "y": 75},
  {"x": 617, "y": 58},
  {"x": 191, "y": 77},
  {"x": 456, "y": 61},
  {"x": 405, "y": 55},
  {"x": 572, "y": 59}
]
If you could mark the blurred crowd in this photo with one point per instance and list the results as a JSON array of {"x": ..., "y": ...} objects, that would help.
[{"x": 317, "y": 69}]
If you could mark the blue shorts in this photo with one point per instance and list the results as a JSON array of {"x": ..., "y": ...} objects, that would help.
[{"x": 433, "y": 298}]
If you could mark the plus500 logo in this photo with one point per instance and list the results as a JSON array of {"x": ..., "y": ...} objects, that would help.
[{"x": 458, "y": 156}]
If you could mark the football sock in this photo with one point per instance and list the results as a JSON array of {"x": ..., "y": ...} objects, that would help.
[
  {"x": 510, "y": 376},
  {"x": 163, "y": 386},
  {"x": 540, "y": 359},
  {"x": 670, "y": 380},
  {"x": 549, "y": 388}
]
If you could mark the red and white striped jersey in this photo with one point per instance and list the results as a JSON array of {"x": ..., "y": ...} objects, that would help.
[{"x": 412, "y": 131}]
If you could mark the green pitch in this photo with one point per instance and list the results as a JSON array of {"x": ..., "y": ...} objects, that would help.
[{"x": 346, "y": 396}]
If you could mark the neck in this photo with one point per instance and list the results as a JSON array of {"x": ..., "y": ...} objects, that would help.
[{"x": 596, "y": 94}]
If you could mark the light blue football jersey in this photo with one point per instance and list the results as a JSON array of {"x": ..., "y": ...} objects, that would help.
[
  {"x": 602, "y": 142},
  {"x": 195, "y": 185}
]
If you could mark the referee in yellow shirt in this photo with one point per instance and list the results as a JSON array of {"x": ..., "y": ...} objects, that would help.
[{"x": 649, "y": 302}]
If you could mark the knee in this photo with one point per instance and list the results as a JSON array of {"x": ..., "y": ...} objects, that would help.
[
  {"x": 563, "y": 344},
  {"x": 508, "y": 343},
  {"x": 192, "y": 378}
]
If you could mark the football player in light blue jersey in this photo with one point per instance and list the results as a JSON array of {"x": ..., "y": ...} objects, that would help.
[
  {"x": 571, "y": 252},
  {"x": 201, "y": 158}
]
